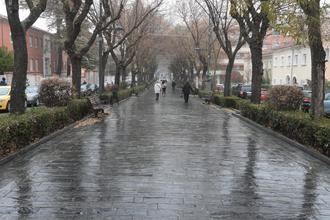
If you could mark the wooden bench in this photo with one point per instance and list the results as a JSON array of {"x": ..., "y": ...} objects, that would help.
[
  {"x": 97, "y": 104},
  {"x": 207, "y": 98}
]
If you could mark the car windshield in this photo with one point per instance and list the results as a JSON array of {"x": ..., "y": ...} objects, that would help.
[
  {"x": 308, "y": 94},
  {"x": 31, "y": 89},
  {"x": 327, "y": 96},
  {"x": 4, "y": 90},
  {"x": 246, "y": 88}
]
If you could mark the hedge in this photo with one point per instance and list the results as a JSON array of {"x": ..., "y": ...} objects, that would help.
[
  {"x": 122, "y": 94},
  {"x": 228, "y": 102},
  {"x": 293, "y": 124},
  {"x": 17, "y": 131}
]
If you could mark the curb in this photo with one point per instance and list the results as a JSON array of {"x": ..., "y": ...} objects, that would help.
[
  {"x": 312, "y": 152},
  {"x": 43, "y": 140}
]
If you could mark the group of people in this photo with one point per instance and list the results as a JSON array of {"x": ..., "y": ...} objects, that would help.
[{"x": 160, "y": 87}]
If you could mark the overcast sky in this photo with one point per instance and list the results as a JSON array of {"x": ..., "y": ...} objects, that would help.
[{"x": 168, "y": 8}]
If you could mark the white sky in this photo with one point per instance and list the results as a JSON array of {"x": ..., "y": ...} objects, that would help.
[{"x": 168, "y": 8}]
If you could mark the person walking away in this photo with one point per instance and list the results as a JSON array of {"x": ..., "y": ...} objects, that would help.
[
  {"x": 186, "y": 91},
  {"x": 164, "y": 85},
  {"x": 173, "y": 85},
  {"x": 114, "y": 96},
  {"x": 3, "y": 82},
  {"x": 157, "y": 89}
]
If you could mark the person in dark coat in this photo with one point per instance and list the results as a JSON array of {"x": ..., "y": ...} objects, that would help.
[{"x": 186, "y": 91}]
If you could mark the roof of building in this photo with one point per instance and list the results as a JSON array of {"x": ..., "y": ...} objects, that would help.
[{"x": 3, "y": 17}]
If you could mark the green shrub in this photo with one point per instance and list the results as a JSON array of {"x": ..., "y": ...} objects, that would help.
[
  {"x": 228, "y": 102},
  {"x": 55, "y": 92},
  {"x": 285, "y": 98},
  {"x": 78, "y": 108},
  {"x": 17, "y": 131},
  {"x": 293, "y": 124},
  {"x": 122, "y": 94}
]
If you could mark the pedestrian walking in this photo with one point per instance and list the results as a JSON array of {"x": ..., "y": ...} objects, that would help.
[
  {"x": 114, "y": 96},
  {"x": 164, "y": 85},
  {"x": 157, "y": 89},
  {"x": 3, "y": 82},
  {"x": 186, "y": 91},
  {"x": 173, "y": 85}
]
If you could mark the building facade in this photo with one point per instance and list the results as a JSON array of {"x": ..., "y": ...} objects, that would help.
[
  {"x": 292, "y": 65},
  {"x": 42, "y": 54}
]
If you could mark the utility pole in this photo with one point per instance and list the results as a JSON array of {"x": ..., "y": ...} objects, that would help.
[{"x": 101, "y": 72}]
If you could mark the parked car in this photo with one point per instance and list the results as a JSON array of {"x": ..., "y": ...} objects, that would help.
[
  {"x": 327, "y": 104},
  {"x": 264, "y": 95},
  {"x": 32, "y": 95},
  {"x": 307, "y": 100},
  {"x": 220, "y": 87},
  {"x": 5, "y": 98},
  {"x": 245, "y": 92},
  {"x": 88, "y": 89}
]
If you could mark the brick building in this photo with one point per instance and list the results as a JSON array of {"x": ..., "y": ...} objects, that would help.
[{"x": 41, "y": 52}]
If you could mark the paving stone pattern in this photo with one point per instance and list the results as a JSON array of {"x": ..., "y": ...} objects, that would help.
[{"x": 165, "y": 160}]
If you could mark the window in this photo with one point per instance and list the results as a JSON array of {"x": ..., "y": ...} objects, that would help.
[
  {"x": 31, "y": 65},
  {"x": 304, "y": 59},
  {"x": 31, "y": 41},
  {"x": 289, "y": 60},
  {"x": 295, "y": 61},
  {"x": 282, "y": 61},
  {"x": 36, "y": 66},
  {"x": 294, "y": 80},
  {"x": 36, "y": 42},
  {"x": 275, "y": 61},
  {"x": 287, "y": 79}
]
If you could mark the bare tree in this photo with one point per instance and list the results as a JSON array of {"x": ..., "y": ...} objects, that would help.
[
  {"x": 225, "y": 29},
  {"x": 197, "y": 25},
  {"x": 76, "y": 13},
  {"x": 18, "y": 31},
  {"x": 125, "y": 34}
]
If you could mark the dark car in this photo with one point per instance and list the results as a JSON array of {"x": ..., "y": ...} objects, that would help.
[
  {"x": 245, "y": 92},
  {"x": 307, "y": 100}
]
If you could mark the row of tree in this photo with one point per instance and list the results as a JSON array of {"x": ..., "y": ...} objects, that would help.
[
  {"x": 238, "y": 22},
  {"x": 122, "y": 28}
]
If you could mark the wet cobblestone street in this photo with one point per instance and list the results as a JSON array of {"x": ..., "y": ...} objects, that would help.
[{"x": 165, "y": 160}]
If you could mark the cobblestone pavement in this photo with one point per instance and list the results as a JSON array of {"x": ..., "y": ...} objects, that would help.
[{"x": 165, "y": 160}]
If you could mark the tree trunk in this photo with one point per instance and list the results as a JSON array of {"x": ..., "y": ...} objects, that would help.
[
  {"x": 117, "y": 76},
  {"x": 59, "y": 47},
  {"x": 134, "y": 77},
  {"x": 105, "y": 56},
  {"x": 59, "y": 60},
  {"x": 123, "y": 74},
  {"x": 76, "y": 75},
  {"x": 68, "y": 67},
  {"x": 17, "y": 93},
  {"x": 257, "y": 71},
  {"x": 318, "y": 59},
  {"x": 229, "y": 69}
]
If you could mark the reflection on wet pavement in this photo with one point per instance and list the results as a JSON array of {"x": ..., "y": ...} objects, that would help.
[{"x": 165, "y": 160}]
